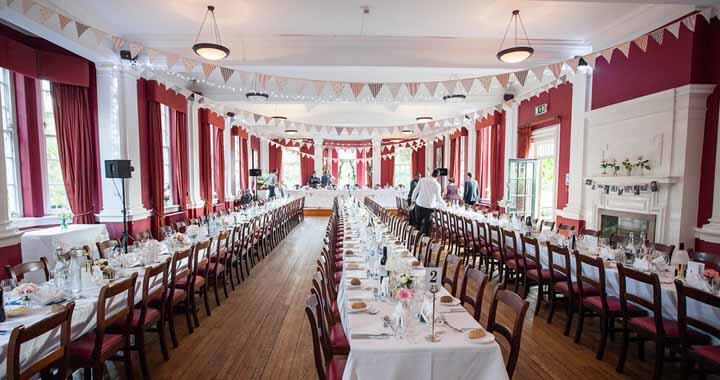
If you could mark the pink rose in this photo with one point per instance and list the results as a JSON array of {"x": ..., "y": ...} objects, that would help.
[
  {"x": 404, "y": 294},
  {"x": 27, "y": 289},
  {"x": 711, "y": 273}
]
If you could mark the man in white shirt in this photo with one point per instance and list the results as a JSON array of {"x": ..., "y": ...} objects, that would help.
[
  {"x": 427, "y": 197},
  {"x": 272, "y": 181}
]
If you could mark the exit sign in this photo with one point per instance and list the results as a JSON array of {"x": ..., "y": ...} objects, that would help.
[{"x": 540, "y": 109}]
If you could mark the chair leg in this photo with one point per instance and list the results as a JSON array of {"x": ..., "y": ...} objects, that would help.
[
  {"x": 171, "y": 327},
  {"x": 538, "y": 301},
  {"x": 623, "y": 349},
  {"x": 659, "y": 359},
  {"x": 98, "y": 372},
  {"x": 604, "y": 327},
  {"x": 215, "y": 290},
  {"x": 206, "y": 300},
  {"x": 140, "y": 344},
  {"x": 570, "y": 313},
  {"x": 127, "y": 358},
  {"x": 225, "y": 281},
  {"x": 581, "y": 322},
  {"x": 87, "y": 374}
]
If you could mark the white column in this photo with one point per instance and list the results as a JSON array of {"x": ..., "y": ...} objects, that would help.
[
  {"x": 446, "y": 161},
  {"x": 710, "y": 231},
  {"x": 429, "y": 157},
  {"x": 9, "y": 234},
  {"x": 511, "y": 135},
  {"x": 265, "y": 155},
  {"x": 581, "y": 102},
  {"x": 196, "y": 200},
  {"x": 119, "y": 134},
  {"x": 376, "y": 160},
  {"x": 318, "y": 159},
  {"x": 471, "y": 148},
  {"x": 227, "y": 156}
]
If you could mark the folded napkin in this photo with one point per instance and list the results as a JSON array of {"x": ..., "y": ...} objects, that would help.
[
  {"x": 47, "y": 295},
  {"x": 642, "y": 264},
  {"x": 606, "y": 253}
]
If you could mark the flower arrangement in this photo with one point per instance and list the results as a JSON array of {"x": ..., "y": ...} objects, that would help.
[
  {"x": 643, "y": 164},
  {"x": 604, "y": 164},
  {"x": 615, "y": 167},
  {"x": 711, "y": 273},
  {"x": 406, "y": 280},
  {"x": 27, "y": 289},
  {"x": 628, "y": 166},
  {"x": 404, "y": 294},
  {"x": 65, "y": 218}
]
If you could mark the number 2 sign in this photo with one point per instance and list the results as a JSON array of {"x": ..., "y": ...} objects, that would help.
[{"x": 433, "y": 279}]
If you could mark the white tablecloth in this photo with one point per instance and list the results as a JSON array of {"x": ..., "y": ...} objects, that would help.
[
  {"x": 323, "y": 199},
  {"x": 412, "y": 357},
  {"x": 42, "y": 242}
]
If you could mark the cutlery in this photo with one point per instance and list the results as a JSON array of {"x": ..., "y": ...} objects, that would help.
[
  {"x": 460, "y": 330},
  {"x": 371, "y": 336}
]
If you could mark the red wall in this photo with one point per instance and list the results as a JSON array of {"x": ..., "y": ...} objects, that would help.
[{"x": 559, "y": 101}]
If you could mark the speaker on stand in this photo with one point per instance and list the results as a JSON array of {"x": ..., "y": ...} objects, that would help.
[{"x": 120, "y": 169}]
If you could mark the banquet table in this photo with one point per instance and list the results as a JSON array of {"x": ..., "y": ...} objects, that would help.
[
  {"x": 412, "y": 356},
  {"x": 42, "y": 242},
  {"x": 323, "y": 199}
]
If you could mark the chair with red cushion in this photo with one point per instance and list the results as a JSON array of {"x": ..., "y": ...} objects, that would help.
[
  {"x": 535, "y": 273},
  {"x": 452, "y": 263},
  {"x": 563, "y": 285},
  {"x": 59, "y": 355},
  {"x": 477, "y": 279},
  {"x": 328, "y": 366},
  {"x": 600, "y": 305},
  {"x": 214, "y": 267},
  {"x": 697, "y": 358},
  {"x": 196, "y": 283},
  {"x": 180, "y": 271},
  {"x": 665, "y": 333},
  {"x": 515, "y": 265},
  {"x": 495, "y": 249},
  {"x": 482, "y": 243},
  {"x": 514, "y": 336},
  {"x": 91, "y": 350},
  {"x": 17, "y": 272},
  {"x": 339, "y": 343},
  {"x": 154, "y": 286}
]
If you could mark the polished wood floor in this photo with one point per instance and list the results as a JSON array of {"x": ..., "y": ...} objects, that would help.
[{"x": 260, "y": 332}]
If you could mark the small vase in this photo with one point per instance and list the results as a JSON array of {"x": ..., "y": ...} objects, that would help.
[{"x": 629, "y": 172}]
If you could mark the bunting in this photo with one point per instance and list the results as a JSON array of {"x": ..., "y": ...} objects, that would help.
[
  {"x": 226, "y": 73},
  {"x": 538, "y": 72},
  {"x": 503, "y": 79},
  {"x": 375, "y": 89},
  {"x": 431, "y": 87},
  {"x": 208, "y": 69},
  {"x": 356, "y": 88},
  {"x": 64, "y": 21},
  {"x": 319, "y": 87},
  {"x": 485, "y": 83},
  {"x": 521, "y": 76},
  {"x": 642, "y": 43},
  {"x": 81, "y": 28},
  {"x": 412, "y": 88}
]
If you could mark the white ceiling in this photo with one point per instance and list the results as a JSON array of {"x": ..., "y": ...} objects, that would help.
[{"x": 402, "y": 40}]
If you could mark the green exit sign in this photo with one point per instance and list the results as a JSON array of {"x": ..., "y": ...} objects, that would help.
[{"x": 540, "y": 109}]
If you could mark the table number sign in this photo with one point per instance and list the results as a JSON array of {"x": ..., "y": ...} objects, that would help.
[{"x": 433, "y": 283}]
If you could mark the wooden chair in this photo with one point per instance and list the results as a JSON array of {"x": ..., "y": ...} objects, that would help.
[
  {"x": 154, "y": 286},
  {"x": 478, "y": 280},
  {"x": 607, "y": 308},
  {"x": 455, "y": 261},
  {"x": 177, "y": 297},
  {"x": 472, "y": 244},
  {"x": 664, "y": 249},
  {"x": 593, "y": 233},
  {"x": 214, "y": 268},
  {"x": 514, "y": 336},
  {"x": 17, "y": 272},
  {"x": 547, "y": 225},
  {"x": 144, "y": 235},
  {"x": 196, "y": 284},
  {"x": 495, "y": 248},
  {"x": 328, "y": 366},
  {"x": 565, "y": 227},
  {"x": 663, "y": 332},
  {"x": 91, "y": 350},
  {"x": 58, "y": 358},
  {"x": 561, "y": 277},
  {"x": 338, "y": 342},
  {"x": 707, "y": 357},
  {"x": 711, "y": 260},
  {"x": 180, "y": 226},
  {"x": 512, "y": 260},
  {"x": 104, "y": 247},
  {"x": 535, "y": 273}
]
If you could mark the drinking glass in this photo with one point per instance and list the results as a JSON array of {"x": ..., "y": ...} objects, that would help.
[{"x": 8, "y": 285}]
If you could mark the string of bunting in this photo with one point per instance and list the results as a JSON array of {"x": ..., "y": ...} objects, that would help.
[{"x": 300, "y": 88}]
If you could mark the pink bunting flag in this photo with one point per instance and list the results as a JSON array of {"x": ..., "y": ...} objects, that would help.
[
  {"x": 658, "y": 36},
  {"x": 99, "y": 36},
  {"x": 64, "y": 20},
  {"x": 503, "y": 79},
  {"x": 226, "y": 73},
  {"x": 375, "y": 89},
  {"x": 689, "y": 22},
  {"x": 208, "y": 69},
  {"x": 189, "y": 64},
  {"x": 642, "y": 42},
  {"x": 607, "y": 54},
  {"x": 573, "y": 63},
  {"x": 135, "y": 49},
  {"x": 118, "y": 43},
  {"x": 44, "y": 13},
  {"x": 467, "y": 84},
  {"x": 356, "y": 88},
  {"x": 171, "y": 60},
  {"x": 485, "y": 82},
  {"x": 412, "y": 88},
  {"x": 27, "y": 6},
  {"x": 262, "y": 80},
  {"x": 539, "y": 72},
  {"x": 267, "y": 120},
  {"x": 337, "y": 88},
  {"x": 394, "y": 89},
  {"x": 281, "y": 82},
  {"x": 590, "y": 59},
  {"x": 555, "y": 69},
  {"x": 319, "y": 86},
  {"x": 81, "y": 28},
  {"x": 625, "y": 49},
  {"x": 674, "y": 29},
  {"x": 431, "y": 87},
  {"x": 450, "y": 86}
]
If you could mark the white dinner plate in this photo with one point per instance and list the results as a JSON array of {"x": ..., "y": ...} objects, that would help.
[
  {"x": 454, "y": 302},
  {"x": 352, "y": 311},
  {"x": 489, "y": 338}
]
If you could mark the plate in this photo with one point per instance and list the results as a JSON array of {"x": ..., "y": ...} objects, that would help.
[
  {"x": 18, "y": 311},
  {"x": 354, "y": 266},
  {"x": 488, "y": 338},
  {"x": 454, "y": 302},
  {"x": 351, "y": 310}
]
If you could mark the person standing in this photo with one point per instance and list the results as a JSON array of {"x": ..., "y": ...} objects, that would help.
[
  {"x": 314, "y": 180},
  {"x": 272, "y": 181},
  {"x": 413, "y": 183},
  {"x": 427, "y": 197},
  {"x": 452, "y": 192},
  {"x": 470, "y": 191},
  {"x": 325, "y": 180}
]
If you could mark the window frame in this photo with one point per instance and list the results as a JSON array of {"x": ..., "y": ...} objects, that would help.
[
  {"x": 294, "y": 162},
  {"x": 12, "y": 130},
  {"x": 166, "y": 145},
  {"x": 398, "y": 151},
  {"x": 541, "y": 135},
  {"x": 235, "y": 170}
]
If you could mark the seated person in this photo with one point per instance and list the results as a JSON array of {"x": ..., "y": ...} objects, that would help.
[
  {"x": 325, "y": 181},
  {"x": 314, "y": 180}
]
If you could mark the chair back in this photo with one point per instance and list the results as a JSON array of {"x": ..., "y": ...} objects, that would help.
[
  {"x": 547, "y": 225},
  {"x": 584, "y": 265},
  {"x": 180, "y": 226},
  {"x": 59, "y": 356},
  {"x": 18, "y": 272},
  {"x": 495, "y": 238},
  {"x": 104, "y": 246},
  {"x": 531, "y": 255},
  {"x": 559, "y": 264},
  {"x": 684, "y": 293},
  {"x": 154, "y": 286},
  {"x": 478, "y": 279},
  {"x": 593, "y": 233},
  {"x": 664, "y": 249},
  {"x": 145, "y": 235},
  {"x": 201, "y": 252},
  {"x": 566, "y": 227},
  {"x": 452, "y": 280},
  {"x": 509, "y": 252},
  {"x": 627, "y": 295},
  {"x": 321, "y": 349},
  {"x": 120, "y": 312},
  {"x": 711, "y": 261},
  {"x": 177, "y": 272},
  {"x": 519, "y": 307}
]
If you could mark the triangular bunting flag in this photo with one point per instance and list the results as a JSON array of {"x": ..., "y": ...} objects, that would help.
[
  {"x": 467, "y": 84},
  {"x": 625, "y": 49},
  {"x": 485, "y": 82},
  {"x": 27, "y": 6},
  {"x": 642, "y": 43},
  {"x": 521, "y": 76},
  {"x": 267, "y": 120},
  {"x": 339, "y": 130},
  {"x": 674, "y": 29},
  {"x": 99, "y": 36},
  {"x": 226, "y": 73},
  {"x": 590, "y": 59},
  {"x": 338, "y": 88},
  {"x": 431, "y": 87},
  {"x": 573, "y": 63},
  {"x": 64, "y": 20},
  {"x": 538, "y": 72},
  {"x": 118, "y": 43},
  {"x": 256, "y": 117},
  {"x": 135, "y": 49},
  {"x": 171, "y": 60},
  {"x": 81, "y": 28},
  {"x": 707, "y": 13},
  {"x": 356, "y": 88},
  {"x": 208, "y": 69},
  {"x": 394, "y": 89},
  {"x": 412, "y": 88},
  {"x": 607, "y": 54},
  {"x": 450, "y": 86},
  {"x": 658, "y": 36},
  {"x": 555, "y": 69},
  {"x": 319, "y": 86},
  {"x": 189, "y": 64},
  {"x": 262, "y": 80},
  {"x": 375, "y": 89},
  {"x": 689, "y": 22},
  {"x": 281, "y": 82},
  {"x": 44, "y": 13},
  {"x": 503, "y": 79}
]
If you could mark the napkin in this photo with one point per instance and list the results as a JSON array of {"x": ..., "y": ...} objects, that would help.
[
  {"x": 642, "y": 264},
  {"x": 606, "y": 254},
  {"x": 47, "y": 295}
]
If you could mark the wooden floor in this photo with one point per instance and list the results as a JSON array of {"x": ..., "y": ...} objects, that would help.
[{"x": 261, "y": 332}]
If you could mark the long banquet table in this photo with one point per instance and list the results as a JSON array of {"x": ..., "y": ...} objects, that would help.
[
  {"x": 410, "y": 357},
  {"x": 323, "y": 199},
  {"x": 85, "y": 312}
]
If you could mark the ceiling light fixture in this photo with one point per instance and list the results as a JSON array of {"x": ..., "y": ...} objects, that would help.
[
  {"x": 407, "y": 131},
  {"x": 213, "y": 51},
  {"x": 454, "y": 98},
  {"x": 257, "y": 96},
  {"x": 423, "y": 118},
  {"x": 516, "y": 53},
  {"x": 279, "y": 117},
  {"x": 291, "y": 131}
]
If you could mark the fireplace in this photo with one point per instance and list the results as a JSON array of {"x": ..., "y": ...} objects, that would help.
[{"x": 623, "y": 223}]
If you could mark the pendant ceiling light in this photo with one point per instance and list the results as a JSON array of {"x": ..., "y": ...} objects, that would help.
[
  {"x": 454, "y": 98},
  {"x": 291, "y": 131},
  {"x": 407, "y": 131},
  {"x": 213, "y": 51},
  {"x": 516, "y": 53},
  {"x": 422, "y": 119}
]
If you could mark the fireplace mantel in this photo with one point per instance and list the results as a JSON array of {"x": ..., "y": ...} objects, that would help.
[{"x": 632, "y": 180}]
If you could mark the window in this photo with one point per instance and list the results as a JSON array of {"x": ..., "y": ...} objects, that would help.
[
  {"x": 7, "y": 114},
  {"x": 56, "y": 196},
  {"x": 236, "y": 165},
  {"x": 166, "y": 155},
  {"x": 543, "y": 149},
  {"x": 403, "y": 166},
  {"x": 255, "y": 159},
  {"x": 346, "y": 167},
  {"x": 212, "y": 163},
  {"x": 463, "y": 158},
  {"x": 291, "y": 167}
]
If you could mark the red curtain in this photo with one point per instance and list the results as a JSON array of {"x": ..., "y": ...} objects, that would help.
[
  {"x": 219, "y": 167},
  {"x": 77, "y": 138},
  {"x": 497, "y": 162},
  {"x": 179, "y": 151},
  {"x": 454, "y": 164},
  {"x": 360, "y": 171},
  {"x": 157, "y": 193},
  {"x": 244, "y": 167},
  {"x": 369, "y": 167},
  {"x": 275, "y": 160},
  {"x": 387, "y": 169},
  {"x": 334, "y": 164},
  {"x": 523, "y": 147},
  {"x": 205, "y": 159},
  {"x": 418, "y": 162},
  {"x": 307, "y": 164}
]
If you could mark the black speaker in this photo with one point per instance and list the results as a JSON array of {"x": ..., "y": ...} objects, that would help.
[
  {"x": 118, "y": 169},
  {"x": 255, "y": 172},
  {"x": 442, "y": 172}
]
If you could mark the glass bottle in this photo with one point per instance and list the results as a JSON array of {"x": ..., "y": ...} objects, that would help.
[{"x": 75, "y": 273}]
